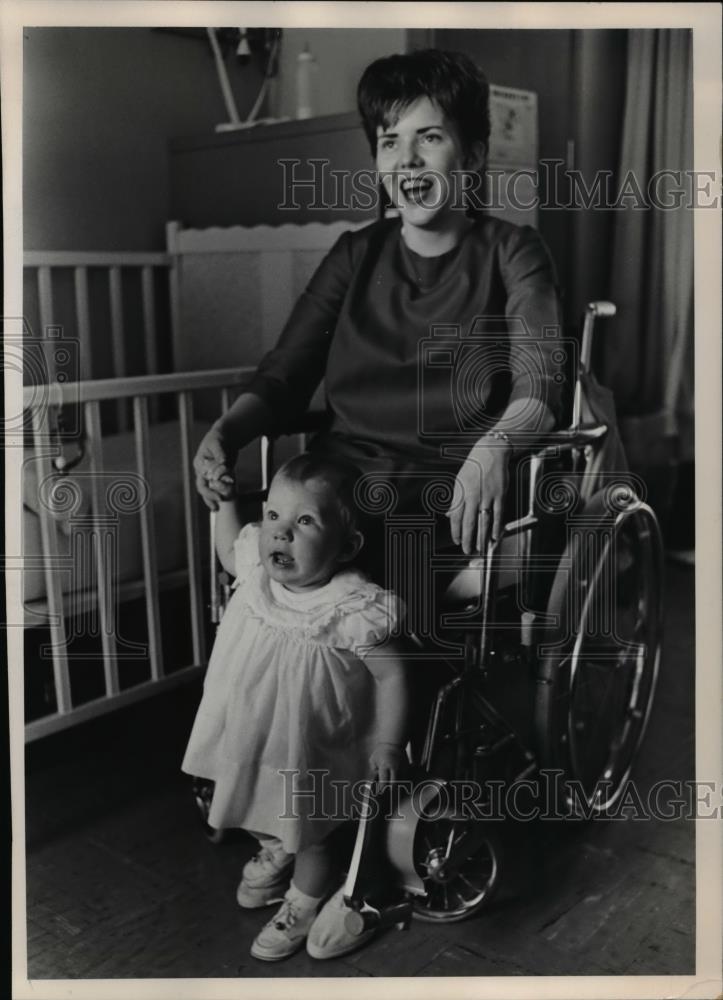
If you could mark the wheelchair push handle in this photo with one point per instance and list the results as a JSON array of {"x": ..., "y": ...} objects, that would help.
[
  {"x": 593, "y": 310},
  {"x": 602, "y": 308}
]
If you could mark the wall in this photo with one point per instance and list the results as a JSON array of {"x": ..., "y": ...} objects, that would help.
[
  {"x": 99, "y": 107},
  {"x": 579, "y": 78},
  {"x": 101, "y": 104},
  {"x": 538, "y": 60},
  {"x": 340, "y": 56},
  {"x": 599, "y": 93}
]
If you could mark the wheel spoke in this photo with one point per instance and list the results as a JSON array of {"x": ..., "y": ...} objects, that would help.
[
  {"x": 479, "y": 878},
  {"x": 463, "y": 878},
  {"x": 481, "y": 875},
  {"x": 466, "y": 883},
  {"x": 450, "y": 842}
]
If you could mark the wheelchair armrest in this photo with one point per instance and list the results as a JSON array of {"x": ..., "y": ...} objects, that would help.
[{"x": 573, "y": 438}]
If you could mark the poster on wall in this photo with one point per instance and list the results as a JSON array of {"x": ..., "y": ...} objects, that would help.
[
  {"x": 512, "y": 166},
  {"x": 514, "y": 131}
]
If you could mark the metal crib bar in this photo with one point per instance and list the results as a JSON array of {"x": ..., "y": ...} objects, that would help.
[
  {"x": 59, "y": 393},
  {"x": 149, "y": 328},
  {"x": 185, "y": 417},
  {"x": 148, "y": 539},
  {"x": 94, "y": 258},
  {"x": 54, "y": 590},
  {"x": 45, "y": 301},
  {"x": 82, "y": 310},
  {"x": 174, "y": 288},
  {"x": 106, "y": 588},
  {"x": 215, "y": 601},
  {"x": 116, "y": 323}
]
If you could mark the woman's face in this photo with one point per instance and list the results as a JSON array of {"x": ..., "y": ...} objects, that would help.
[
  {"x": 421, "y": 159},
  {"x": 302, "y": 535}
]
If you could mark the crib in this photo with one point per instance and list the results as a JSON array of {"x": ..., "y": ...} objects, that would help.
[{"x": 110, "y": 512}]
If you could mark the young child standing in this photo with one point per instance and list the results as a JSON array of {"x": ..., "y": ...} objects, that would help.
[{"x": 304, "y": 696}]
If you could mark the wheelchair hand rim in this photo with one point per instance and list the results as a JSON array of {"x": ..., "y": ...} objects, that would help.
[{"x": 601, "y": 789}]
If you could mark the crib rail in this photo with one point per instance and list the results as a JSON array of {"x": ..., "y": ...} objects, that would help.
[
  {"x": 116, "y": 272},
  {"x": 137, "y": 393}
]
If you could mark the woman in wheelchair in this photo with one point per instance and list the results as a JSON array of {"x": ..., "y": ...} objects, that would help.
[
  {"x": 401, "y": 402},
  {"x": 437, "y": 334}
]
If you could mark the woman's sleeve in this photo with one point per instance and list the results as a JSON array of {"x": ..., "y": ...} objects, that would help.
[
  {"x": 534, "y": 320},
  {"x": 288, "y": 375}
]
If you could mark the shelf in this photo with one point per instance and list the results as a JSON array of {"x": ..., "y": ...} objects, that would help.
[{"x": 292, "y": 128}]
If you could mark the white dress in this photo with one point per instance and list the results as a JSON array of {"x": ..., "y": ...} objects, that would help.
[{"x": 287, "y": 719}]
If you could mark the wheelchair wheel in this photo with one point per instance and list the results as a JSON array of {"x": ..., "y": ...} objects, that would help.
[
  {"x": 600, "y": 662},
  {"x": 458, "y": 861}
]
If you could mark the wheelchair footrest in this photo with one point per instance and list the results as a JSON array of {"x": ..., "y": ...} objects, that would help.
[{"x": 363, "y": 916}]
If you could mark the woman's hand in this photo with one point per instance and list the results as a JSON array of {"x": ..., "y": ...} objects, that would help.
[
  {"x": 387, "y": 759},
  {"x": 480, "y": 489},
  {"x": 213, "y": 465}
]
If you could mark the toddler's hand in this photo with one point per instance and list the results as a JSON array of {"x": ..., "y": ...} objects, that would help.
[
  {"x": 221, "y": 482},
  {"x": 387, "y": 759},
  {"x": 212, "y": 464}
]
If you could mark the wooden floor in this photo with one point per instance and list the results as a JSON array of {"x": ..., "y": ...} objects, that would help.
[{"x": 122, "y": 884}]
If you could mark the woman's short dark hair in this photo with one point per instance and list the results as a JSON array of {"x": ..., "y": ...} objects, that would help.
[
  {"x": 390, "y": 85},
  {"x": 340, "y": 475}
]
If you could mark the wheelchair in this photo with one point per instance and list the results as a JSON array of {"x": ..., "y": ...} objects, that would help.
[{"x": 556, "y": 640}]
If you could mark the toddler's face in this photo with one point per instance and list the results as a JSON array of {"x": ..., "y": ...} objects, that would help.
[
  {"x": 420, "y": 158},
  {"x": 302, "y": 535}
]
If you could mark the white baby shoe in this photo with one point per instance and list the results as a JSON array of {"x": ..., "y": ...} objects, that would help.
[
  {"x": 265, "y": 877},
  {"x": 329, "y": 936},
  {"x": 286, "y": 932}
]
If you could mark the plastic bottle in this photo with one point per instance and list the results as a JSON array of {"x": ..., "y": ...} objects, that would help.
[{"x": 305, "y": 67}]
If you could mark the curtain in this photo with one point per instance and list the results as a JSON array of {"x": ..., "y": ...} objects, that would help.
[{"x": 648, "y": 354}]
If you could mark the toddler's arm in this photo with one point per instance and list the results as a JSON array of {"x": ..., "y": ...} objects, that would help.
[
  {"x": 392, "y": 701},
  {"x": 248, "y": 418},
  {"x": 228, "y": 525}
]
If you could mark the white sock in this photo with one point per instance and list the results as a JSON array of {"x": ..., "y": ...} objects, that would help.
[{"x": 306, "y": 902}]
